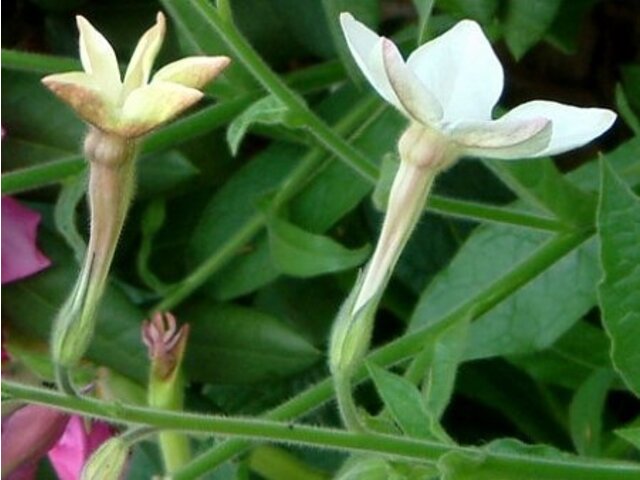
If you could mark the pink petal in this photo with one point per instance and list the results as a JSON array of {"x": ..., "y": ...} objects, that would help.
[
  {"x": 76, "y": 445},
  {"x": 20, "y": 255}
]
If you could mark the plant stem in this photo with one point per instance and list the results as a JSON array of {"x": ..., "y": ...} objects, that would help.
[
  {"x": 270, "y": 430},
  {"x": 247, "y": 56},
  {"x": 504, "y": 465},
  {"x": 402, "y": 348},
  {"x": 364, "y": 111},
  {"x": 346, "y": 403}
]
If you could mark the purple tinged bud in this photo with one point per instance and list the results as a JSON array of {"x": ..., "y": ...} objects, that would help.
[{"x": 28, "y": 434}]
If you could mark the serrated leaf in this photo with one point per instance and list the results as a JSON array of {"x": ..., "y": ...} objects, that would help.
[
  {"x": 526, "y": 22},
  {"x": 619, "y": 231},
  {"x": 300, "y": 253},
  {"x": 404, "y": 402},
  {"x": 268, "y": 111},
  {"x": 585, "y": 412},
  {"x": 238, "y": 345}
]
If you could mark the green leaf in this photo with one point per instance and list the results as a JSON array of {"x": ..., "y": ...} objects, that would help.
[
  {"x": 238, "y": 345},
  {"x": 631, "y": 435},
  {"x": 303, "y": 254},
  {"x": 538, "y": 182},
  {"x": 198, "y": 38},
  {"x": 446, "y": 354},
  {"x": 585, "y": 412},
  {"x": 529, "y": 320},
  {"x": 71, "y": 193},
  {"x": 619, "y": 230},
  {"x": 164, "y": 172},
  {"x": 480, "y": 10},
  {"x": 565, "y": 32},
  {"x": 369, "y": 468},
  {"x": 571, "y": 360},
  {"x": 481, "y": 465},
  {"x": 404, "y": 402},
  {"x": 31, "y": 305},
  {"x": 514, "y": 395},
  {"x": 526, "y": 21},
  {"x": 626, "y": 112},
  {"x": 268, "y": 111}
]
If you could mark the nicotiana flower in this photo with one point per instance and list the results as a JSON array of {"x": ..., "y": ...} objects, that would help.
[
  {"x": 450, "y": 86},
  {"x": 135, "y": 105},
  {"x": 447, "y": 88},
  {"x": 119, "y": 111}
]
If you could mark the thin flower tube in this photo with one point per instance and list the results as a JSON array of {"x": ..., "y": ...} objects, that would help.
[
  {"x": 120, "y": 112},
  {"x": 447, "y": 89}
]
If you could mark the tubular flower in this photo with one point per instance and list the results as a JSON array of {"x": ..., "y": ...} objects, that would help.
[
  {"x": 133, "y": 106},
  {"x": 120, "y": 112},
  {"x": 447, "y": 89},
  {"x": 450, "y": 86}
]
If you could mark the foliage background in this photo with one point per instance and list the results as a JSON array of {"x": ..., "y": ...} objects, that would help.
[{"x": 257, "y": 250}]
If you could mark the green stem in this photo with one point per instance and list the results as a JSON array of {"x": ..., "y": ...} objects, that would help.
[
  {"x": 364, "y": 111},
  {"x": 258, "y": 429},
  {"x": 346, "y": 403},
  {"x": 402, "y": 348},
  {"x": 504, "y": 465},
  {"x": 247, "y": 56}
]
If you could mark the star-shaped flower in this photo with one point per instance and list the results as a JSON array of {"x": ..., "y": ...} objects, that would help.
[
  {"x": 133, "y": 106},
  {"x": 450, "y": 86}
]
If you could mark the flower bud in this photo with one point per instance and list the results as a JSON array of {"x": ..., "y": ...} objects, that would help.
[
  {"x": 166, "y": 343},
  {"x": 28, "y": 433},
  {"x": 108, "y": 462}
]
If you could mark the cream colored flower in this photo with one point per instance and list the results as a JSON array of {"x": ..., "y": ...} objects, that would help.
[{"x": 133, "y": 106}]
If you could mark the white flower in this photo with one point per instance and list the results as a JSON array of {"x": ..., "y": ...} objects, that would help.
[
  {"x": 132, "y": 107},
  {"x": 451, "y": 84}
]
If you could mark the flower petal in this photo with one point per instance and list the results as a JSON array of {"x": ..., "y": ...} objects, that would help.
[
  {"x": 20, "y": 254},
  {"x": 571, "y": 127},
  {"x": 98, "y": 58},
  {"x": 194, "y": 72},
  {"x": 421, "y": 105},
  {"x": 144, "y": 55},
  {"x": 462, "y": 71},
  {"x": 366, "y": 47},
  {"x": 76, "y": 445},
  {"x": 148, "y": 107},
  {"x": 504, "y": 138},
  {"x": 84, "y": 94}
]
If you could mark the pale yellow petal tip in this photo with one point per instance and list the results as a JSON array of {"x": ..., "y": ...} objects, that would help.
[
  {"x": 194, "y": 72},
  {"x": 161, "y": 23}
]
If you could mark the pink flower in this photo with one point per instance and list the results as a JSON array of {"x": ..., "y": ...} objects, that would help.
[
  {"x": 76, "y": 445},
  {"x": 20, "y": 254}
]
